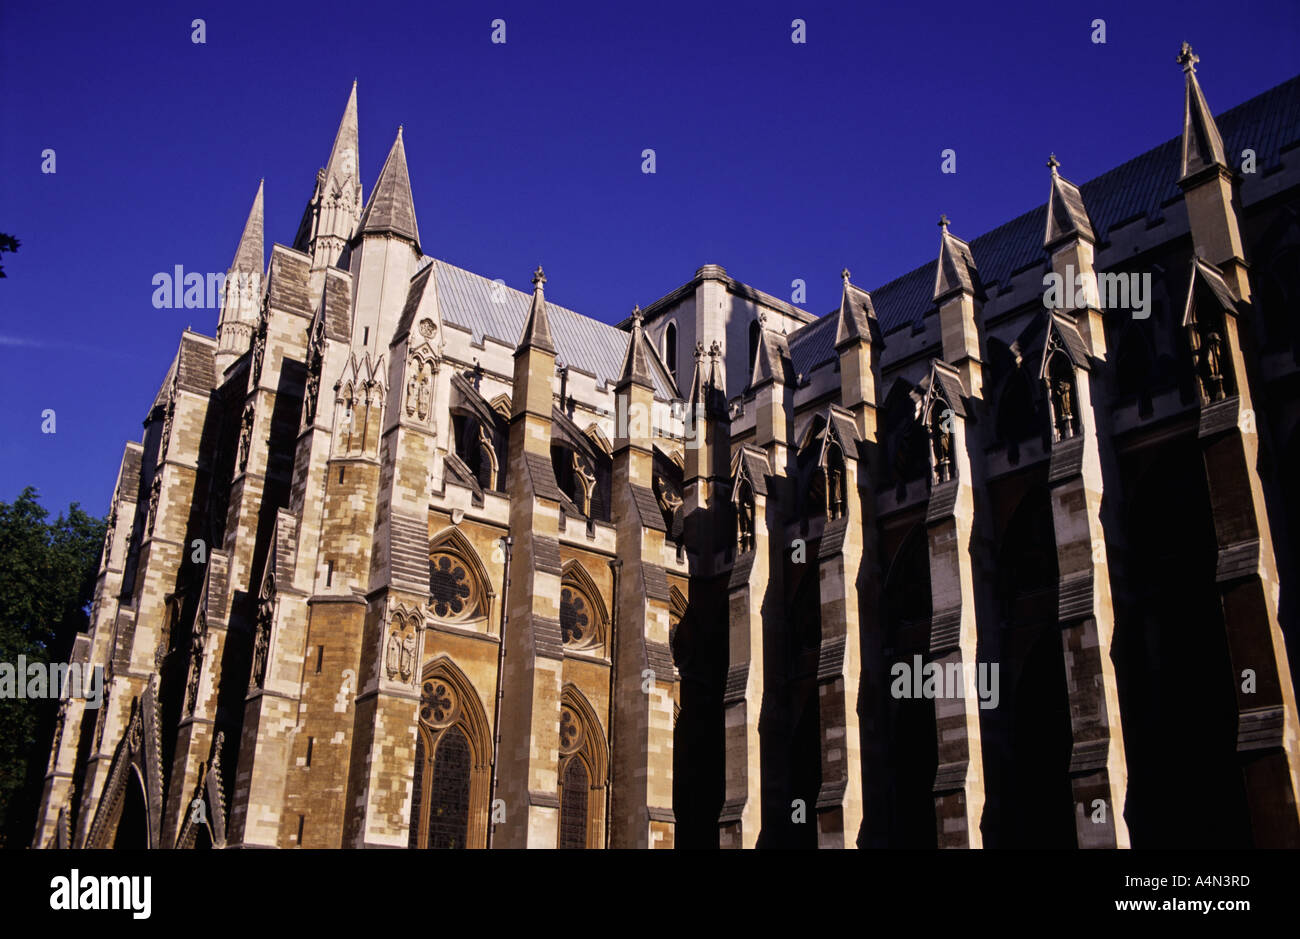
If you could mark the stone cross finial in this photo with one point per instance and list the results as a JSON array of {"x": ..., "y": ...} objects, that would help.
[
  {"x": 1187, "y": 58},
  {"x": 943, "y": 222},
  {"x": 845, "y": 275},
  {"x": 1052, "y": 163},
  {"x": 636, "y": 316},
  {"x": 539, "y": 277}
]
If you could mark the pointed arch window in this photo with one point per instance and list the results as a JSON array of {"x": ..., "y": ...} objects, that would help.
[
  {"x": 456, "y": 581},
  {"x": 670, "y": 349},
  {"x": 582, "y": 611},
  {"x": 582, "y": 772},
  {"x": 449, "y": 798},
  {"x": 753, "y": 345}
]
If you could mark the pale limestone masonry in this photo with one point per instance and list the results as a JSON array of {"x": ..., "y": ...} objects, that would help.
[{"x": 408, "y": 558}]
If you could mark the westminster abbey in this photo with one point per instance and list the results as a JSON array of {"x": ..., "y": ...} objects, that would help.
[{"x": 408, "y": 558}]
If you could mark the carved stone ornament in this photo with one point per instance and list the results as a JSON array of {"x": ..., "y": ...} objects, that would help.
[{"x": 245, "y": 436}]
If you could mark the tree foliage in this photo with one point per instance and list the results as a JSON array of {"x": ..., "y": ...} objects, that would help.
[{"x": 47, "y": 580}]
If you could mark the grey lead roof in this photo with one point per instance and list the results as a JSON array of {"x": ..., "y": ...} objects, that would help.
[
  {"x": 1267, "y": 123},
  {"x": 586, "y": 344}
]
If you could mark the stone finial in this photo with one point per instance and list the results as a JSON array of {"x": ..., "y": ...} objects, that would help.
[
  {"x": 844, "y": 275},
  {"x": 715, "y": 349},
  {"x": 1187, "y": 58},
  {"x": 636, "y": 317},
  {"x": 699, "y": 350},
  {"x": 943, "y": 222},
  {"x": 539, "y": 278},
  {"x": 1053, "y": 163}
]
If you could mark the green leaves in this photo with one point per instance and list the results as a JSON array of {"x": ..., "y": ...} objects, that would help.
[{"x": 47, "y": 579}]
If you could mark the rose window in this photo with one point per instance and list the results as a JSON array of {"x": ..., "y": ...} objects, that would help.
[
  {"x": 570, "y": 731},
  {"x": 575, "y": 617},
  {"x": 451, "y": 590},
  {"x": 437, "y": 702}
]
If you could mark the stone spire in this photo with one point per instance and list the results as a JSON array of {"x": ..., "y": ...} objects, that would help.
[
  {"x": 1066, "y": 215},
  {"x": 249, "y": 256},
  {"x": 331, "y": 216},
  {"x": 636, "y": 363},
  {"x": 537, "y": 328},
  {"x": 1202, "y": 145},
  {"x": 391, "y": 210},
  {"x": 240, "y": 301}
]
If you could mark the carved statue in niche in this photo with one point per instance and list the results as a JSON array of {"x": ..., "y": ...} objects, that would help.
[
  {"x": 155, "y": 493},
  {"x": 586, "y": 476},
  {"x": 745, "y": 523},
  {"x": 167, "y": 427},
  {"x": 393, "y": 654},
  {"x": 262, "y": 641},
  {"x": 1214, "y": 366},
  {"x": 942, "y": 434},
  {"x": 312, "y": 394},
  {"x": 197, "y": 641},
  {"x": 259, "y": 349},
  {"x": 834, "y": 488},
  {"x": 412, "y": 394},
  {"x": 245, "y": 436},
  {"x": 1063, "y": 400},
  {"x": 425, "y": 397},
  {"x": 108, "y": 532},
  {"x": 407, "y": 668}
]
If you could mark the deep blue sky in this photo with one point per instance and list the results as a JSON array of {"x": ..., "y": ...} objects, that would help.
[{"x": 775, "y": 160}]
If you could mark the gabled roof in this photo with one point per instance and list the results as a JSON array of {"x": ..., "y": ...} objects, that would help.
[
  {"x": 1140, "y": 187},
  {"x": 1207, "y": 274},
  {"x": 944, "y": 382},
  {"x": 955, "y": 269},
  {"x": 486, "y": 308},
  {"x": 1062, "y": 333},
  {"x": 391, "y": 210},
  {"x": 1066, "y": 213},
  {"x": 772, "y": 363}
]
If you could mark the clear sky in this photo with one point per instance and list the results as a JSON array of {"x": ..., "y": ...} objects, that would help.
[{"x": 774, "y": 159}]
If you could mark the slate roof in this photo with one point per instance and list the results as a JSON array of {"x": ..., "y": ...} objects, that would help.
[
  {"x": 1267, "y": 123},
  {"x": 581, "y": 342},
  {"x": 129, "y": 486},
  {"x": 338, "y": 307},
  {"x": 287, "y": 287}
]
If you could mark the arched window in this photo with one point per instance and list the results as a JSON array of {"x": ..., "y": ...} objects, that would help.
[
  {"x": 573, "y": 804},
  {"x": 449, "y": 798},
  {"x": 583, "y": 761},
  {"x": 582, "y": 611},
  {"x": 457, "y": 580},
  {"x": 670, "y": 349},
  {"x": 753, "y": 345}
]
